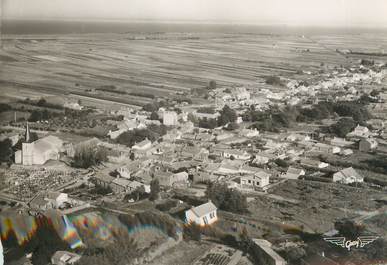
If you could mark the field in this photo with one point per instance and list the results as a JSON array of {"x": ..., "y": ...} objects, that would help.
[
  {"x": 319, "y": 204},
  {"x": 160, "y": 64}
]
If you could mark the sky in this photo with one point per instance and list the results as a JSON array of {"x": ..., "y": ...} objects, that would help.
[{"x": 291, "y": 12}]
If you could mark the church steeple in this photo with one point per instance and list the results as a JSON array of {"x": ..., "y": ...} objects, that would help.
[{"x": 27, "y": 134}]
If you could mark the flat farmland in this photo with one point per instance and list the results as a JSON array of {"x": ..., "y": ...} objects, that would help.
[{"x": 165, "y": 63}]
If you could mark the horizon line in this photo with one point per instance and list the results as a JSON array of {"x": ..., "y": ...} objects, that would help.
[{"x": 190, "y": 21}]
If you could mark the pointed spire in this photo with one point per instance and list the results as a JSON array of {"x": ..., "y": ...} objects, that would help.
[{"x": 27, "y": 136}]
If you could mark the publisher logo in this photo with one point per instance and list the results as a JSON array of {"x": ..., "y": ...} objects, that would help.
[{"x": 360, "y": 242}]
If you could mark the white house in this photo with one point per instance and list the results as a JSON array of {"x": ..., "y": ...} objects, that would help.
[
  {"x": 313, "y": 163},
  {"x": 49, "y": 200},
  {"x": 359, "y": 131},
  {"x": 336, "y": 141},
  {"x": 294, "y": 173},
  {"x": 72, "y": 105},
  {"x": 347, "y": 176},
  {"x": 258, "y": 180},
  {"x": 249, "y": 133},
  {"x": 64, "y": 258},
  {"x": 123, "y": 172},
  {"x": 143, "y": 145},
  {"x": 205, "y": 214},
  {"x": 263, "y": 158},
  {"x": 326, "y": 148},
  {"x": 240, "y": 155},
  {"x": 170, "y": 118}
]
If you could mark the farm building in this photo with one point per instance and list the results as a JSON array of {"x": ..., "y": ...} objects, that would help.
[
  {"x": 202, "y": 215},
  {"x": 347, "y": 176}
]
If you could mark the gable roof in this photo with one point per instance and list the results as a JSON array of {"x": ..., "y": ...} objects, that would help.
[
  {"x": 48, "y": 143},
  {"x": 204, "y": 209},
  {"x": 350, "y": 172},
  {"x": 296, "y": 171}
]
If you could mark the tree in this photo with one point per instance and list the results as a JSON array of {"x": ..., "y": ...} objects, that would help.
[
  {"x": 35, "y": 115},
  {"x": 87, "y": 156},
  {"x": 192, "y": 231},
  {"x": 154, "y": 116},
  {"x": 273, "y": 80},
  {"x": 281, "y": 163},
  {"x": 6, "y": 150},
  {"x": 155, "y": 190},
  {"x": 208, "y": 123},
  {"x": 212, "y": 85},
  {"x": 41, "y": 102},
  {"x": 348, "y": 228},
  {"x": 227, "y": 115},
  {"x": 227, "y": 199},
  {"x": 124, "y": 251},
  {"x": 4, "y": 107},
  {"x": 245, "y": 240},
  {"x": 150, "y": 107},
  {"x": 342, "y": 127}
]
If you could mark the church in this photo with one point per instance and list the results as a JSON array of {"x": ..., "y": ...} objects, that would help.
[{"x": 39, "y": 151}]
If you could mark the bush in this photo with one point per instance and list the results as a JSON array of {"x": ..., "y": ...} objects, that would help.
[
  {"x": 212, "y": 85},
  {"x": 155, "y": 190},
  {"x": 130, "y": 138},
  {"x": 208, "y": 123},
  {"x": 274, "y": 81},
  {"x": 192, "y": 231},
  {"x": 154, "y": 116},
  {"x": 227, "y": 115},
  {"x": 281, "y": 163},
  {"x": 4, "y": 107},
  {"x": 343, "y": 127},
  {"x": 6, "y": 150},
  {"x": 348, "y": 228},
  {"x": 227, "y": 199},
  {"x": 123, "y": 251}
]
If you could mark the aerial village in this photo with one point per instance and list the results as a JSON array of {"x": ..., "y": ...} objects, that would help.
[{"x": 245, "y": 175}]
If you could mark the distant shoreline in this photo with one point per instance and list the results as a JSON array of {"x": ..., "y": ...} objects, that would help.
[{"x": 40, "y": 27}]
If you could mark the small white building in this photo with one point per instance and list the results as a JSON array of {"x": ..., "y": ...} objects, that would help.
[
  {"x": 360, "y": 132},
  {"x": 259, "y": 180},
  {"x": 236, "y": 154},
  {"x": 205, "y": 214},
  {"x": 49, "y": 200},
  {"x": 347, "y": 176},
  {"x": 72, "y": 105},
  {"x": 170, "y": 118},
  {"x": 64, "y": 258},
  {"x": 143, "y": 145},
  {"x": 313, "y": 163},
  {"x": 249, "y": 133},
  {"x": 294, "y": 173},
  {"x": 123, "y": 172},
  {"x": 326, "y": 148}
]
